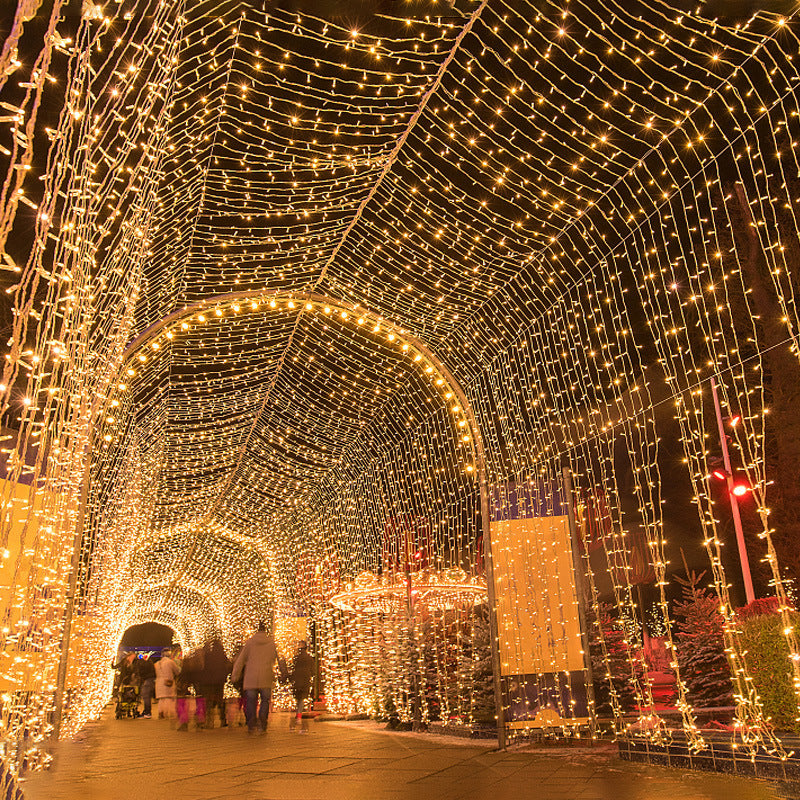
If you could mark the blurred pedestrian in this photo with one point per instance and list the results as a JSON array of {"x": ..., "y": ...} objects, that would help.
[
  {"x": 303, "y": 669},
  {"x": 237, "y": 684},
  {"x": 166, "y": 677},
  {"x": 188, "y": 687},
  {"x": 147, "y": 673},
  {"x": 127, "y": 684},
  {"x": 127, "y": 670},
  {"x": 216, "y": 668},
  {"x": 255, "y": 665}
]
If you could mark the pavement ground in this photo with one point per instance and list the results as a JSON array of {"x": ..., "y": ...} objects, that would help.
[{"x": 127, "y": 759}]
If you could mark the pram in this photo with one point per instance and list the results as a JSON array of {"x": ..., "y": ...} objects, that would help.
[{"x": 127, "y": 701}]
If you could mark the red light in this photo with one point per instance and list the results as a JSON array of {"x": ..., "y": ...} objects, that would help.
[
  {"x": 734, "y": 420},
  {"x": 719, "y": 475},
  {"x": 740, "y": 489}
]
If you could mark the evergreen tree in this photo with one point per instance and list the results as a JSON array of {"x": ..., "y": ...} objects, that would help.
[
  {"x": 624, "y": 660},
  {"x": 700, "y": 646},
  {"x": 431, "y": 680},
  {"x": 481, "y": 673}
]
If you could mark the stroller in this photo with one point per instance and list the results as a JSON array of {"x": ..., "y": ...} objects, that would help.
[{"x": 127, "y": 701}]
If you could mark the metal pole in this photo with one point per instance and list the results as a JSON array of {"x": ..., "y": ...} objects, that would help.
[
  {"x": 77, "y": 542},
  {"x": 317, "y": 688},
  {"x": 737, "y": 520},
  {"x": 416, "y": 723},
  {"x": 566, "y": 476},
  {"x": 494, "y": 635}
]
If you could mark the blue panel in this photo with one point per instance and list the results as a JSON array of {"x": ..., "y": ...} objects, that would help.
[
  {"x": 563, "y": 692},
  {"x": 539, "y": 498}
]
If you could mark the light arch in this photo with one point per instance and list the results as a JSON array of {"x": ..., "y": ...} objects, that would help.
[
  {"x": 165, "y": 330},
  {"x": 150, "y": 611},
  {"x": 164, "y": 618},
  {"x": 183, "y": 320}
]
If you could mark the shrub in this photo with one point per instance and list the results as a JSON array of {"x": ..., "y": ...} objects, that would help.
[
  {"x": 759, "y": 606},
  {"x": 767, "y": 659}
]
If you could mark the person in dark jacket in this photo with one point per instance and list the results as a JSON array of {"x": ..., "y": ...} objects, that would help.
[
  {"x": 127, "y": 671},
  {"x": 188, "y": 679},
  {"x": 147, "y": 673},
  {"x": 216, "y": 668},
  {"x": 303, "y": 670}
]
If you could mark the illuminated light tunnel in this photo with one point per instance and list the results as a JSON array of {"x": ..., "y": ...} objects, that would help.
[{"x": 418, "y": 328}]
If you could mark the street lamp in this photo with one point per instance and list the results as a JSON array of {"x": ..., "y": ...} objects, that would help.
[{"x": 736, "y": 489}]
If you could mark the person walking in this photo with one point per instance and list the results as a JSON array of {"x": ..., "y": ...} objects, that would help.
[
  {"x": 303, "y": 669},
  {"x": 255, "y": 666},
  {"x": 127, "y": 670},
  {"x": 147, "y": 674},
  {"x": 167, "y": 672},
  {"x": 127, "y": 685},
  {"x": 189, "y": 682},
  {"x": 216, "y": 668}
]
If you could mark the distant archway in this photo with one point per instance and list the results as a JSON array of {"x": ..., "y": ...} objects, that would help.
[{"x": 149, "y": 634}]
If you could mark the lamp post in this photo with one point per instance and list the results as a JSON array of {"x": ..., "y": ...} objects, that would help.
[{"x": 732, "y": 495}]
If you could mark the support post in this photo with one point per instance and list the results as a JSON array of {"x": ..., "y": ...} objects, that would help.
[
  {"x": 494, "y": 635},
  {"x": 737, "y": 520},
  {"x": 416, "y": 700},
  {"x": 317, "y": 691},
  {"x": 566, "y": 476},
  {"x": 77, "y": 544}
]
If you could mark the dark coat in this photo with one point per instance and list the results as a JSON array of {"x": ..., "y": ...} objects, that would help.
[
  {"x": 303, "y": 671},
  {"x": 147, "y": 670},
  {"x": 128, "y": 673},
  {"x": 191, "y": 672},
  {"x": 216, "y": 665}
]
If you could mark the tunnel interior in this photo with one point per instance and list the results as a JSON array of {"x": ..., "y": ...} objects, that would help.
[{"x": 413, "y": 326}]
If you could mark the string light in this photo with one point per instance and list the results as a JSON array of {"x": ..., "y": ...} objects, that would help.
[{"x": 297, "y": 290}]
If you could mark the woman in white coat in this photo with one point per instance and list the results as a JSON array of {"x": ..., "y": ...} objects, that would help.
[{"x": 166, "y": 673}]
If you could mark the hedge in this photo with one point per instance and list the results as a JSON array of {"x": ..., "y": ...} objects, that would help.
[{"x": 767, "y": 659}]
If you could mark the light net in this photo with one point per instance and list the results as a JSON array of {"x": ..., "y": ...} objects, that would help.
[{"x": 300, "y": 295}]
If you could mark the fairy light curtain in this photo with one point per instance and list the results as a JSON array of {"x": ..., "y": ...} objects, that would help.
[{"x": 583, "y": 214}]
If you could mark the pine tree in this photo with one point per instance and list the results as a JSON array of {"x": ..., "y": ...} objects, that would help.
[
  {"x": 431, "y": 683},
  {"x": 624, "y": 661},
  {"x": 482, "y": 674},
  {"x": 700, "y": 646}
]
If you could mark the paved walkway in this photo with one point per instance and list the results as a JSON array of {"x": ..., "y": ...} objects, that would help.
[{"x": 135, "y": 759}]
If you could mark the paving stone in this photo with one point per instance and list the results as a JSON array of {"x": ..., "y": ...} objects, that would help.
[{"x": 129, "y": 759}]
